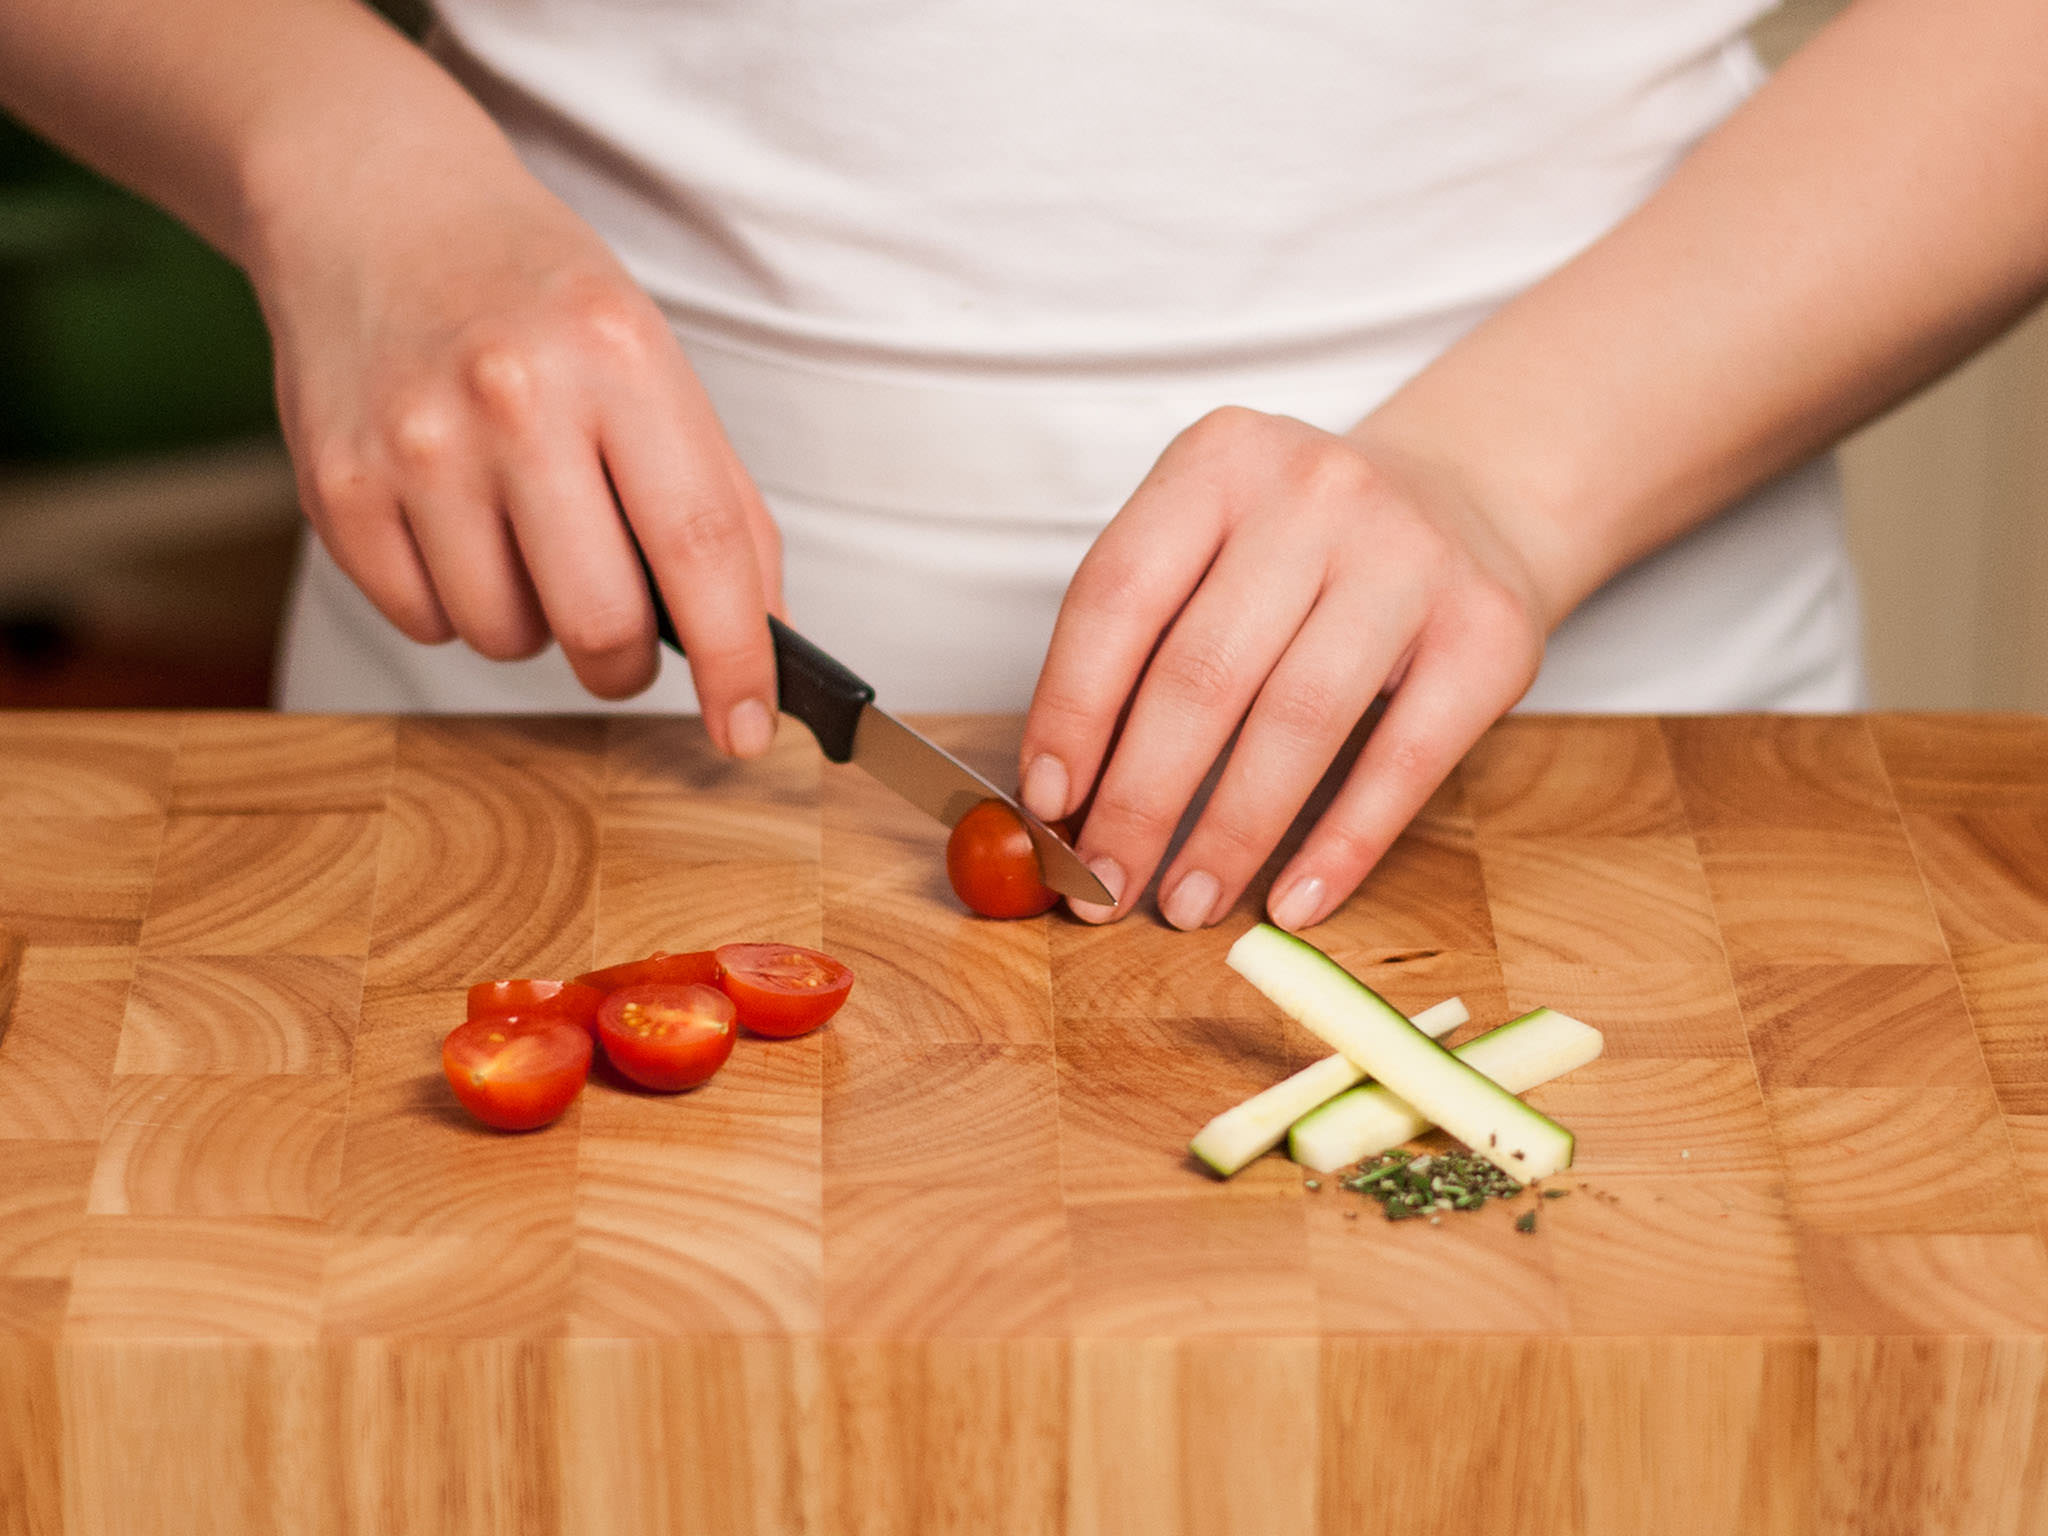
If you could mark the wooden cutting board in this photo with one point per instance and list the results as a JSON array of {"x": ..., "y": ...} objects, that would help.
[
  {"x": 943, "y": 1266},
  {"x": 10, "y": 976}
]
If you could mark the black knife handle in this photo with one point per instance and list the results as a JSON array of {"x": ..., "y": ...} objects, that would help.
[{"x": 820, "y": 691}]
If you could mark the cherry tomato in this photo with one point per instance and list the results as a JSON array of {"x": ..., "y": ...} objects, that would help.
[
  {"x": 667, "y": 1037},
  {"x": 530, "y": 999},
  {"x": 782, "y": 989},
  {"x": 516, "y": 1075},
  {"x": 698, "y": 968},
  {"x": 993, "y": 867}
]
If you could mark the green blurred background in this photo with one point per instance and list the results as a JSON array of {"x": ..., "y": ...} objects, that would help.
[
  {"x": 147, "y": 518},
  {"x": 120, "y": 333}
]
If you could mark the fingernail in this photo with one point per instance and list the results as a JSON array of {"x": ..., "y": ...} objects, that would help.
[
  {"x": 1300, "y": 904},
  {"x": 1111, "y": 874},
  {"x": 1189, "y": 903},
  {"x": 750, "y": 729},
  {"x": 1045, "y": 787}
]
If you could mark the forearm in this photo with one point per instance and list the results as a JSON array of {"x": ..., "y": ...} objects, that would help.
[
  {"x": 1872, "y": 215},
  {"x": 243, "y": 117}
]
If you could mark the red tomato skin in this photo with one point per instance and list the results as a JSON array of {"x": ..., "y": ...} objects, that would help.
[
  {"x": 782, "y": 990},
  {"x": 667, "y": 1037},
  {"x": 696, "y": 968},
  {"x": 993, "y": 867},
  {"x": 529, "y": 998},
  {"x": 523, "y": 1080}
]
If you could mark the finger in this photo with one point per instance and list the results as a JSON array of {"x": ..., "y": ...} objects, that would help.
[
  {"x": 1304, "y": 713},
  {"x": 448, "y": 501},
  {"x": 1457, "y": 685},
  {"x": 664, "y": 451},
  {"x": 479, "y": 577},
  {"x": 1133, "y": 580},
  {"x": 359, "y": 522},
  {"x": 581, "y": 562},
  {"x": 1193, "y": 695},
  {"x": 762, "y": 529}
]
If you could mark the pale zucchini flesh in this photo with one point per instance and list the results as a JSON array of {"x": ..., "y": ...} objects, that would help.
[
  {"x": 1258, "y": 1125},
  {"x": 1349, "y": 1016},
  {"x": 1522, "y": 1054}
]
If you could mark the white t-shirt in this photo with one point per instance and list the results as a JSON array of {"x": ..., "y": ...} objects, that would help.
[{"x": 955, "y": 271}]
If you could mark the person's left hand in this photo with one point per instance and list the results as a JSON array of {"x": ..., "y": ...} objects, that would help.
[{"x": 1275, "y": 576}]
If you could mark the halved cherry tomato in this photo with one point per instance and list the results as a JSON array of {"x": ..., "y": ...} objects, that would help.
[
  {"x": 782, "y": 989},
  {"x": 526, "y": 998},
  {"x": 697, "y": 968},
  {"x": 516, "y": 1075},
  {"x": 667, "y": 1037},
  {"x": 993, "y": 867}
]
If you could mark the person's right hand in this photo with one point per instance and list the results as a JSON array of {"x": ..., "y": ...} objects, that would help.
[{"x": 473, "y": 389}]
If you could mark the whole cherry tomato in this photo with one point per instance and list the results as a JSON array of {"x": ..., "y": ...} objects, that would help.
[
  {"x": 993, "y": 867},
  {"x": 782, "y": 990},
  {"x": 697, "y": 968},
  {"x": 516, "y": 1074},
  {"x": 665, "y": 1036}
]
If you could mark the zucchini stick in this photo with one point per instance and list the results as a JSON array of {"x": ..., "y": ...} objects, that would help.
[{"x": 1258, "y": 1125}]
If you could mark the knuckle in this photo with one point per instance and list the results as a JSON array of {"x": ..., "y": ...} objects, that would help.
[
  {"x": 617, "y": 682},
  {"x": 1331, "y": 471},
  {"x": 504, "y": 380},
  {"x": 418, "y": 620},
  {"x": 1057, "y": 714},
  {"x": 701, "y": 535},
  {"x": 1241, "y": 843},
  {"x": 1111, "y": 582},
  {"x": 501, "y": 640},
  {"x": 612, "y": 320},
  {"x": 422, "y": 430},
  {"x": 1412, "y": 763},
  {"x": 733, "y": 666},
  {"x": 611, "y": 630},
  {"x": 340, "y": 482},
  {"x": 1225, "y": 429},
  {"x": 1127, "y": 815},
  {"x": 1346, "y": 847},
  {"x": 1304, "y": 708},
  {"x": 1200, "y": 672},
  {"x": 1497, "y": 616}
]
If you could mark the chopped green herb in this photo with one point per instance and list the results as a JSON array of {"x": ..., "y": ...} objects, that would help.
[
  {"x": 1406, "y": 1185},
  {"x": 1526, "y": 1222},
  {"x": 1555, "y": 1194}
]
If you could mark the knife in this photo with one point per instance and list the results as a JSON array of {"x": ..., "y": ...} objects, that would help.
[{"x": 839, "y": 707}]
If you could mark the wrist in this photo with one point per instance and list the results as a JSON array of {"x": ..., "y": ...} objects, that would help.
[
  {"x": 1511, "y": 503},
  {"x": 393, "y": 147}
]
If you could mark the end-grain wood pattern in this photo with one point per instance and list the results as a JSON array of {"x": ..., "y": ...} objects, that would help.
[
  {"x": 10, "y": 976},
  {"x": 944, "y": 1265}
]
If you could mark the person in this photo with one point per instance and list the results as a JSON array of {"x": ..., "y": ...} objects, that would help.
[{"x": 1243, "y": 364}]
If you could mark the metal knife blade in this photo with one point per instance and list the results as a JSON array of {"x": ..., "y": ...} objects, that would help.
[
  {"x": 943, "y": 787},
  {"x": 830, "y": 698}
]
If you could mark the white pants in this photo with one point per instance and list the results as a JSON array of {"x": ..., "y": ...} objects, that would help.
[{"x": 930, "y": 526}]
